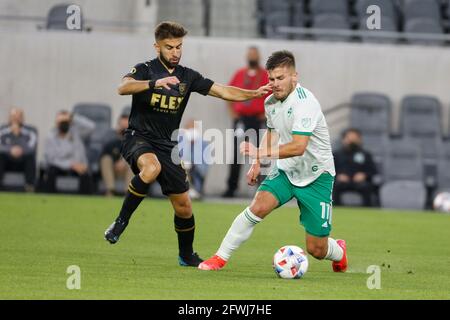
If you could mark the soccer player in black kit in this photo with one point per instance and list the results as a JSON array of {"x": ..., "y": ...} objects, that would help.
[{"x": 161, "y": 89}]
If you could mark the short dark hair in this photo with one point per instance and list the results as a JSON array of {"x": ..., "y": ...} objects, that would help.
[
  {"x": 169, "y": 30},
  {"x": 280, "y": 59},
  {"x": 351, "y": 130},
  {"x": 64, "y": 112}
]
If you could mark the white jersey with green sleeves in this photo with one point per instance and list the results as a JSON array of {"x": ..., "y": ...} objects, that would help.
[{"x": 300, "y": 114}]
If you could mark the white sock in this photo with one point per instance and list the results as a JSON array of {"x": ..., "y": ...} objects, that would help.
[
  {"x": 239, "y": 232},
  {"x": 335, "y": 252}
]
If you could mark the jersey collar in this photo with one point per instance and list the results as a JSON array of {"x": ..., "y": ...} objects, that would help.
[
  {"x": 293, "y": 93},
  {"x": 164, "y": 67}
]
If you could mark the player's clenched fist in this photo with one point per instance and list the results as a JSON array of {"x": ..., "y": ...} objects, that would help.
[
  {"x": 253, "y": 174},
  {"x": 165, "y": 82}
]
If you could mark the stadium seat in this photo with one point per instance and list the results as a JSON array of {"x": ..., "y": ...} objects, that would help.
[
  {"x": 403, "y": 186},
  {"x": 421, "y": 122},
  {"x": 67, "y": 184},
  {"x": 403, "y": 195},
  {"x": 275, "y": 20},
  {"x": 351, "y": 198},
  {"x": 13, "y": 180},
  {"x": 270, "y": 6},
  {"x": 235, "y": 18},
  {"x": 190, "y": 13},
  {"x": 101, "y": 115},
  {"x": 318, "y": 7},
  {"x": 377, "y": 146},
  {"x": 388, "y": 24},
  {"x": 424, "y": 26},
  {"x": 387, "y": 7},
  {"x": 273, "y": 14},
  {"x": 403, "y": 161},
  {"x": 413, "y": 9},
  {"x": 443, "y": 176},
  {"x": 421, "y": 115},
  {"x": 371, "y": 114},
  {"x": 331, "y": 22},
  {"x": 299, "y": 18},
  {"x": 57, "y": 18}
]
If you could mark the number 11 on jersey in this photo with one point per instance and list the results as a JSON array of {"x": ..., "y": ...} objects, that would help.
[{"x": 327, "y": 211}]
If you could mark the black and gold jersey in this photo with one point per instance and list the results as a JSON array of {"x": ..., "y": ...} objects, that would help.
[{"x": 157, "y": 113}]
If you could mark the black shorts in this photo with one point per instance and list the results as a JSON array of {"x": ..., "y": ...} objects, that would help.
[{"x": 173, "y": 178}]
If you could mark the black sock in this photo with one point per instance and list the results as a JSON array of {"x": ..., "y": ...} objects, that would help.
[
  {"x": 185, "y": 229},
  {"x": 137, "y": 191}
]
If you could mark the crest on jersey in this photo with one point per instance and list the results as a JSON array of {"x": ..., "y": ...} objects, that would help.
[
  {"x": 306, "y": 122},
  {"x": 289, "y": 112},
  {"x": 359, "y": 158},
  {"x": 182, "y": 88}
]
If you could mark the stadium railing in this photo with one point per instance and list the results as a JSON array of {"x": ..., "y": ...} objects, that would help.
[{"x": 359, "y": 34}]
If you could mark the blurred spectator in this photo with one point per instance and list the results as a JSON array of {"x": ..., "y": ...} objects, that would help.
[
  {"x": 193, "y": 150},
  {"x": 112, "y": 164},
  {"x": 246, "y": 115},
  {"x": 65, "y": 154},
  {"x": 354, "y": 168},
  {"x": 18, "y": 148}
]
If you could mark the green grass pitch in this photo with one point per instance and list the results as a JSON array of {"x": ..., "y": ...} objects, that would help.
[{"x": 42, "y": 235}]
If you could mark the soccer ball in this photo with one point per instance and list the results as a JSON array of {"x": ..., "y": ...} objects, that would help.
[
  {"x": 442, "y": 202},
  {"x": 290, "y": 262}
]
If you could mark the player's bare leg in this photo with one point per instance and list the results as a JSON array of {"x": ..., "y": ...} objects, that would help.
[
  {"x": 149, "y": 168},
  {"x": 241, "y": 229},
  {"x": 185, "y": 228},
  {"x": 329, "y": 249}
]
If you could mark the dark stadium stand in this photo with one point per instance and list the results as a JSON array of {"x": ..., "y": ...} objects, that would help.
[
  {"x": 420, "y": 151},
  {"x": 413, "y": 17},
  {"x": 420, "y": 117},
  {"x": 415, "y": 158}
]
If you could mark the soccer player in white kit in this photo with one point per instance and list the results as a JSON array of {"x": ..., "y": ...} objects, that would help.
[{"x": 304, "y": 169}]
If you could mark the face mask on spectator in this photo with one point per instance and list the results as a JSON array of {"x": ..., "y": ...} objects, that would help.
[
  {"x": 353, "y": 146},
  {"x": 64, "y": 127},
  {"x": 253, "y": 64}
]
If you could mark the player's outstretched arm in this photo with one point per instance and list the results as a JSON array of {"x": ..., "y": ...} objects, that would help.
[
  {"x": 231, "y": 93},
  {"x": 131, "y": 86}
]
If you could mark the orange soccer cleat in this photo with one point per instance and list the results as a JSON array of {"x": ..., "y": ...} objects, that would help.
[
  {"x": 214, "y": 263},
  {"x": 341, "y": 266}
]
